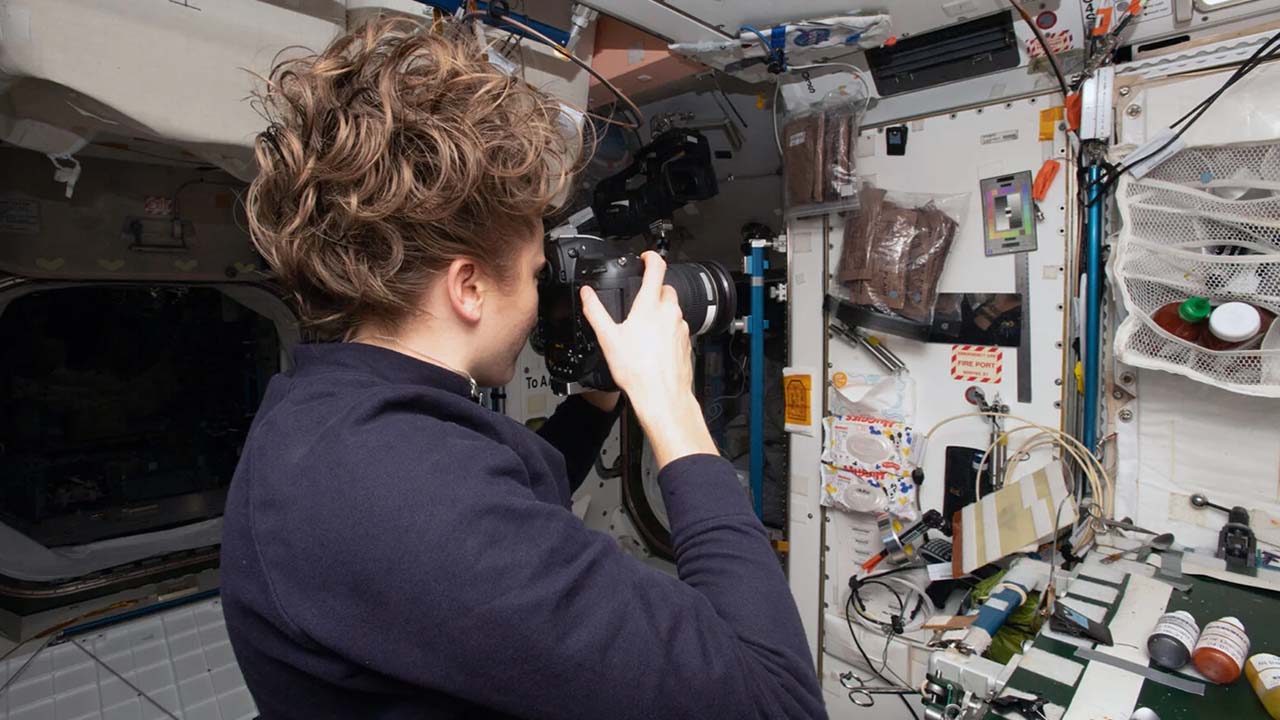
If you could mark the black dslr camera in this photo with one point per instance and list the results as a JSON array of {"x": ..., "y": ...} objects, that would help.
[{"x": 563, "y": 336}]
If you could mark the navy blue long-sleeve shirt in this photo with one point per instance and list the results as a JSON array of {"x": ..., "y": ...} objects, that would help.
[{"x": 393, "y": 550}]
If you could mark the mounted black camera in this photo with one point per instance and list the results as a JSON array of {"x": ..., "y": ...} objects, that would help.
[
  {"x": 706, "y": 291},
  {"x": 672, "y": 170}
]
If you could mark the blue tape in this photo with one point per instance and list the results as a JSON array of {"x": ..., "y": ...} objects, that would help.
[
  {"x": 778, "y": 37},
  {"x": 997, "y": 609}
]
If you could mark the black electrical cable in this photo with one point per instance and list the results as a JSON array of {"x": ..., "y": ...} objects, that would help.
[
  {"x": 1044, "y": 44},
  {"x": 1199, "y": 110},
  {"x": 897, "y": 623},
  {"x": 1265, "y": 53},
  {"x": 1124, "y": 22},
  {"x": 499, "y": 17},
  {"x": 1245, "y": 68},
  {"x": 888, "y": 638},
  {"x": 907, "y": 704}
]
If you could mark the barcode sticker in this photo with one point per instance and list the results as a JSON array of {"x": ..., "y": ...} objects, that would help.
[{"x": 796, "y": 139}]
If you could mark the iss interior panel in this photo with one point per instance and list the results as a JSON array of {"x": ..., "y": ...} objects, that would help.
[
  {"x": 909, "y": 16},
  {"x": 961, "y": 150},
  {"x": 1160, "y": 18},
  {"x": 1176, "y": 436},
  {"x": 177, "y": 663}
]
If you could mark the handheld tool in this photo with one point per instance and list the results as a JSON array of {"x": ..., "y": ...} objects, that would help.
[
  {"x": 1031, "y": 708},
  {"x": 1161, "y": 542},
  {"x": 896, "y": 543}
]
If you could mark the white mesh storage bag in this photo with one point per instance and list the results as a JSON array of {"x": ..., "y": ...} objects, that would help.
[{"x": 1204, "y": 223}]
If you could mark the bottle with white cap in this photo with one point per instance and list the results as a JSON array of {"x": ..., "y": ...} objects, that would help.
[{"x": 1235, "y": 326}]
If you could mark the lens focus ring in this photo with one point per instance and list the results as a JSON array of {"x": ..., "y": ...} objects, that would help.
[{"x": 706, "y": 294}]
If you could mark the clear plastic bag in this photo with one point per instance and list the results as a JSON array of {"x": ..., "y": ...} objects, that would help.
[
  {"x": 839, "y": 162},
  {"x": 819, "y": 155},
  {"x": 892, "y": 397},
  {"x": 895, "y": 248}
]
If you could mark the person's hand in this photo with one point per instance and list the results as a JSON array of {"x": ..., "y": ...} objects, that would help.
[
  {"x": 648, "y": 353},
  {"x": 649, "y": 358}
]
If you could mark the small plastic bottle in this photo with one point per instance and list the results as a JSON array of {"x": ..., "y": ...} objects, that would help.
[
  {"x": 1187, "y": 320},
  {"x": 1233, "y": 326},
  {"x": 1263, "y": 672},
  {"x": 1174, "y": 637},
  {"x": 1221, "y": 650}
]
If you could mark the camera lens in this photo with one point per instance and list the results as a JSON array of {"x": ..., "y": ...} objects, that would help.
[{"x": 707, "y": 295}]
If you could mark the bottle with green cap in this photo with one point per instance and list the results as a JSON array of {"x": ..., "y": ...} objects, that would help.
[{"x": 1185, "y": 319}]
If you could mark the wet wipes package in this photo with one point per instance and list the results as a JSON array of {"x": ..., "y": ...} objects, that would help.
[
  {"x": 866, "y": 465},
  {"x": 845, "y": 489}
]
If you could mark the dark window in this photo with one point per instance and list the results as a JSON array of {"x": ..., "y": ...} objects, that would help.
[{"x": 123, "y": 409}]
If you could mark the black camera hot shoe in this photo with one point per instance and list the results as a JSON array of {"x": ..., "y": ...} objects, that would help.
[{"x": 563, "y": 336}]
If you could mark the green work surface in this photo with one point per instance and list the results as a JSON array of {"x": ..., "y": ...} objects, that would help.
[{"x": 1207, "y": 600}]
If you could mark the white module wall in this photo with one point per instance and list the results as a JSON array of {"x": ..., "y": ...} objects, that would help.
[
  {"x": 946, "y": 154},
  {"x": 598, "y": 502},
  {"x": 1177, "y": 436}
]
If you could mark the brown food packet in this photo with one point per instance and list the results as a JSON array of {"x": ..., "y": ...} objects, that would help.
[
  {"x": 802, "y": 159},
  {"x": 889, "y": 253},
  {"x": 925, "y": 261},
  {"x": 855, "y": 258},
  {"x": 839, "y": 169}
]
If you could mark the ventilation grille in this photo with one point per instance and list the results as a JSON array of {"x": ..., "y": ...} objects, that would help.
[{"x": 952, "y": 53}]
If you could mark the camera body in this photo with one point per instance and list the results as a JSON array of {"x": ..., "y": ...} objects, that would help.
[
  {"x": 669, "y": 172},
  {"x": 563, "y": 336}
]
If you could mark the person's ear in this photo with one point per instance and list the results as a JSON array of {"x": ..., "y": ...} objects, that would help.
[{"x": 467, "y": 287}]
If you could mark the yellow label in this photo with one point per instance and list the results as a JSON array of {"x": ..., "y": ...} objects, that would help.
[
  {"x": 797, "y": 392},
  {"x": 839, "y": 380},
  {"x": 1049, "y": 120}
]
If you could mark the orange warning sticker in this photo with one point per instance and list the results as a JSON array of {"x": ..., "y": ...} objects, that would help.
[
  {"x": 1075, "y": 109},
  {"x": 977, "y": 363},
  {"x": 1102, "y": 25},
  {"x": 839, "y": 380},
  {"x": 797, "y": 394}
]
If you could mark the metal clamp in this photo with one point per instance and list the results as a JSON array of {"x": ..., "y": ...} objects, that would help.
[
  {"x": 862, "y": 694},
  {"x": 871, "y": 344}
]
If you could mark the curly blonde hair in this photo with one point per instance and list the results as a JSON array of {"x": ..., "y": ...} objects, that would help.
[{"x": 390, "y": 154}]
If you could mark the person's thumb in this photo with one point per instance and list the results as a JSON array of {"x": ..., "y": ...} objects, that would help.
[{"x": 598, "y": 317}]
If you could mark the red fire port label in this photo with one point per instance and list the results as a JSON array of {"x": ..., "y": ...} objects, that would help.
[{"x": 977, "y": 363}]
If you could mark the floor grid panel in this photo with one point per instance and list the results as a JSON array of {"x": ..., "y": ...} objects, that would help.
[{"x": 180, "y": 658}]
